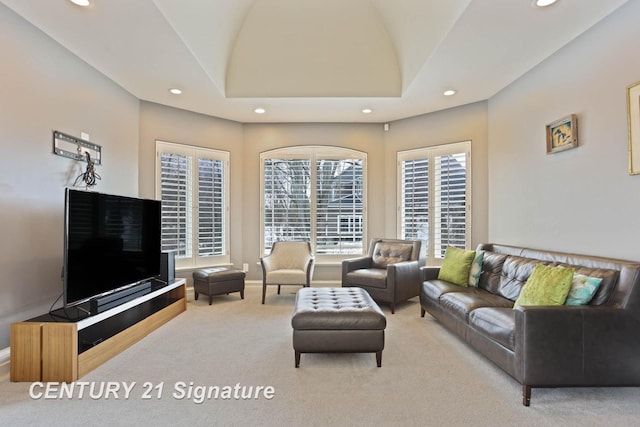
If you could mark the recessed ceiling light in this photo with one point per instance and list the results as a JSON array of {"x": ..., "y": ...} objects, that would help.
[
  {"x": 543, "y": 3},
  {"x": 83, "y": 3},
  {"x": 449, "y": 92},
  {"x": 175, "y": 91},
  {"x": 367, "y": 110},
  {"x": 259, "y": 110}
]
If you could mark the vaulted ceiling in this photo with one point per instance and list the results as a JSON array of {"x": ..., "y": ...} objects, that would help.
[{"x": 313, "y": 60}]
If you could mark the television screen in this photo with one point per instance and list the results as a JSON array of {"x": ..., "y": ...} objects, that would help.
[{"x": 111, "y": 242}]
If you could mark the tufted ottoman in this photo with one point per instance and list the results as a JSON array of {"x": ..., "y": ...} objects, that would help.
[
  {"x": 337, "y": 320},
  {"x": 218, "y": 281}
]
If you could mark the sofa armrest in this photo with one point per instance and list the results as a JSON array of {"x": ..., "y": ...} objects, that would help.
[
  {"x": 355, "y": 264},
  {"x": 576, "y": 345},
  {"x": 352, "y": 264},
  {"x": 429, "y": 273}
]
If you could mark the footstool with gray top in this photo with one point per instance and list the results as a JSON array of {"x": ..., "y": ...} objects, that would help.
[
  {"x": 337, "y": 320},
  {"x": 218, "y": 281}
]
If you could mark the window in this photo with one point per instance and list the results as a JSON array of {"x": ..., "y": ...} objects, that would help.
[
  {"x": 193, "y": 186},
  {"x": 434, "y": 197},
  {"x": 314, "y": 194}
]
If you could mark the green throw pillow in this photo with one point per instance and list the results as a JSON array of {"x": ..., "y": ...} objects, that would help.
[
  {"x": 546, "y": 286},
  {"x": 456, "y": 266}
]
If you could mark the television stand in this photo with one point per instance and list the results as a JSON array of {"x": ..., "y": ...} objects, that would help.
[{"x": 49, "y": 348}]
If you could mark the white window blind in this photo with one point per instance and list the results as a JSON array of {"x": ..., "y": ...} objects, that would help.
[
  {"x": 287, "y": 200},
  {"x": 211, "y": 206},
  {"x": 434, "y": 204},
  {"x": 314, "y": 194},
  {"x": 193, "y": 186},
  {"x": 339, "y": 210},
  {"x": 414, "y": 209},
  {"x": 176, "y": 195},
  {"x": 450, "y": 202}
]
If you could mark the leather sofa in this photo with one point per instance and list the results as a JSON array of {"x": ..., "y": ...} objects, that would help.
[
  {"x": 389, "y": 273},
  {"x": 597, "y": 344}
]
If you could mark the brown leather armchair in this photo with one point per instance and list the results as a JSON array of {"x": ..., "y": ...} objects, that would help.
[{"x": 389, "y": 272}]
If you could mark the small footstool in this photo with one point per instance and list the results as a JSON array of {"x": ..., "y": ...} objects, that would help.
[
  {"x": 218, "y": 281},
  {"x": 337, "y": 320}
]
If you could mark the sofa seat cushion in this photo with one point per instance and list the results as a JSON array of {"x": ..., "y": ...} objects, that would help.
[
  {"x": 373, "y": 277},
  {"x": 434, "y": 289},
  {"x": 460, "y": 304},
  {"x": 497, "y": 323}
]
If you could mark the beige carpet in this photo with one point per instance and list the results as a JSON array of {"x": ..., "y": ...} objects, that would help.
[{"x": 428, "y": 378}]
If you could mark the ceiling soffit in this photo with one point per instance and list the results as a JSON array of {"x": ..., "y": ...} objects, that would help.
[{"x": 308, "y": 48}]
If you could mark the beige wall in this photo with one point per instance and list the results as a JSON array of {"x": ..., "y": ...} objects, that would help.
[
  {"x": 583, "y": 199},
  {"x": 45, "y": 88}
]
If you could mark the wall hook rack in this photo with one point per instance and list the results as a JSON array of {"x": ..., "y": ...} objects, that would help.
[{"x": 76, "y": 148}]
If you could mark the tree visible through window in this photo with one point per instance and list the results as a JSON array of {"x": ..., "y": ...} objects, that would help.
[
  {"x": 434, "y": 197},
  {"x": 314, "y": 194}
]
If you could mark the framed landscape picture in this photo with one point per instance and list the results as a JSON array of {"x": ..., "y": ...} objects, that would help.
[
  {"x": 562, "y": 134},
  {"x": 633, "y": 118}
]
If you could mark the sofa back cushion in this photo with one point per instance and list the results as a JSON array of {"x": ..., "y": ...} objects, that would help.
[
  {"x": 491, "y": 271},
  {"x": 387, "y": 253},
  {"x": 505, "y": 273},
  {"x": 515, "y": 273},
  {"x": 609, "y": 280}
]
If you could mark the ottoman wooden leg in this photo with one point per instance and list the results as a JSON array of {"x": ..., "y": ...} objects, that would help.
[
  {"x": 379, "y": 358},
  {"x": 242, "y": 294},
  {"x": 297, "y": 359}
]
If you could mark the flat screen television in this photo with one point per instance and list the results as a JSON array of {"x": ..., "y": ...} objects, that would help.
[{"x": 110, "y": 243}]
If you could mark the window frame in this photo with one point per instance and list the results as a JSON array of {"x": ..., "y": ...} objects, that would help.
[
  {"x": 196, "y": 153},
  {"x": 431, "y": 153},
  {"x": 313, "y": 154}
]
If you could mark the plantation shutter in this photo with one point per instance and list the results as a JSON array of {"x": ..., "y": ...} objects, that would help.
[
  {"x": 192, "y": 184},
  {"x": 433, "y": 205},
  {"x": 450, "y": 202},
  {"x": 287, "y": 200},
  {"x": 414, "y": 217},
  {"x": 175, "y": 191},
  {"x": 339, "y": 207},
  {"x": 211, "y": 218}
]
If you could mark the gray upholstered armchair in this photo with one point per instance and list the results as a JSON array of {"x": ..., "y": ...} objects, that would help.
[
  {"x": 289, "y": 263},
  {"x": 389, "y": 272}
]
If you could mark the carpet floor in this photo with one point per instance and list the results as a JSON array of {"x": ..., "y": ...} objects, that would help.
[{"x": 240, "y": 352}]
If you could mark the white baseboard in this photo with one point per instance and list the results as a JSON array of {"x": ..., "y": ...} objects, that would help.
[{"x": 5, "y": 360}]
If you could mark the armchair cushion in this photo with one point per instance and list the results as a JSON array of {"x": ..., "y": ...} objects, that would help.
[
  {"x": 374, "y": 277},
  {"x": 287, "y": 277},
  {"x": 387, "y": 253}
]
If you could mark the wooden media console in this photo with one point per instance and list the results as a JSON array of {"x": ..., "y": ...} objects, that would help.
[{"x": 50, "y": 348}]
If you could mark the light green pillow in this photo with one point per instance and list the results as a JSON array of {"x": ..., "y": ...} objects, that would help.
[
  {"x": 456, "y": 266},
  {"x": 582, "y": 289},
  {"x": 546, "y": 286},
  {"x": 476, "y": 269}
]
